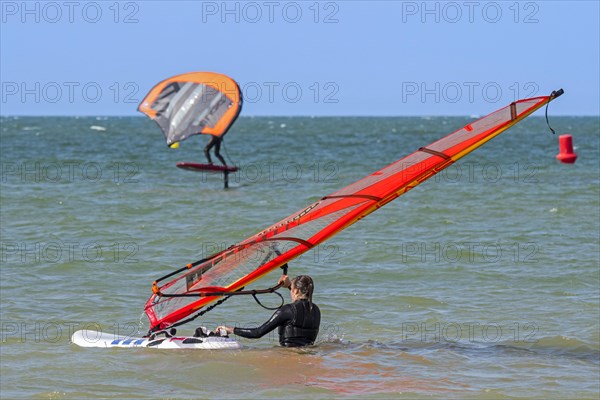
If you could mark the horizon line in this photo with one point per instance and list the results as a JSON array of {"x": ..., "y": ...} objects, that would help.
[{"x": 282, "y": 116}]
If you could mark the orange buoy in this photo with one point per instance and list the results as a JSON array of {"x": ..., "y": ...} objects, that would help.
[{"x": 566, "y": 154}]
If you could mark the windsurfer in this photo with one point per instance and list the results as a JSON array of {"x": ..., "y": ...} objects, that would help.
[
  {"x": 297, "y": 322},
  {"x": 192, "y": 104},
  {"x": 215, "y": 141}
]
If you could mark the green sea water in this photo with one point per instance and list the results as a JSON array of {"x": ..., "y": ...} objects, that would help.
[{"x": 482, "y": 283}]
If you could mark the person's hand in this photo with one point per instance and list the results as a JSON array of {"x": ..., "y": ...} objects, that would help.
[
  {"x": 221, "y": 328},
  {"x": 284, "y": 281}
]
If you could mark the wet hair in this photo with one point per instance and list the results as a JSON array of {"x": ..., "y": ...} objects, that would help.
[{"x": 305, "y": 286}]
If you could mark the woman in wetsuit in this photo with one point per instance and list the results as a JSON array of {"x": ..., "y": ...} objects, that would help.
[{"x": 297, "y": 322}]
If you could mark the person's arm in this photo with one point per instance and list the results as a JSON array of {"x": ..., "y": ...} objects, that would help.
[{"x": 280, "y": 317}]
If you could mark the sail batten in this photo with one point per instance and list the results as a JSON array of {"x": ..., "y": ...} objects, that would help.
[{"x": 265, "y": 251}]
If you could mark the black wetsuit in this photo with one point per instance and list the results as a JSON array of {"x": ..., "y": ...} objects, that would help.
[
  {"x": 215, "y": 141},
  {"x": 298, "y": 325}
]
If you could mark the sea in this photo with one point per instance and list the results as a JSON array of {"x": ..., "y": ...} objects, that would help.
[{"x": 481, "y": 283}]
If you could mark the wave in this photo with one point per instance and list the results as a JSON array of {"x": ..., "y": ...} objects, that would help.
[{"x": 559, "y": 346}]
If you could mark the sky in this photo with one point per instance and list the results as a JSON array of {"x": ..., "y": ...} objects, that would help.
[{"x": 312, "y": 58}]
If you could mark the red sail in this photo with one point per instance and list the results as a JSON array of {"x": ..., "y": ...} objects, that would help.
[{"x": 254, "y": 257}]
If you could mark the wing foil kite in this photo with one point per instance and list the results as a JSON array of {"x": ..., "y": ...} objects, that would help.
[
  {"x": 232, "y": 269},
  {"x": 193, "y": 103}
]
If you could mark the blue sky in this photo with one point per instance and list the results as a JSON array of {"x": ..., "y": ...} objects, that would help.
[{"x": 302, "y": 57}]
